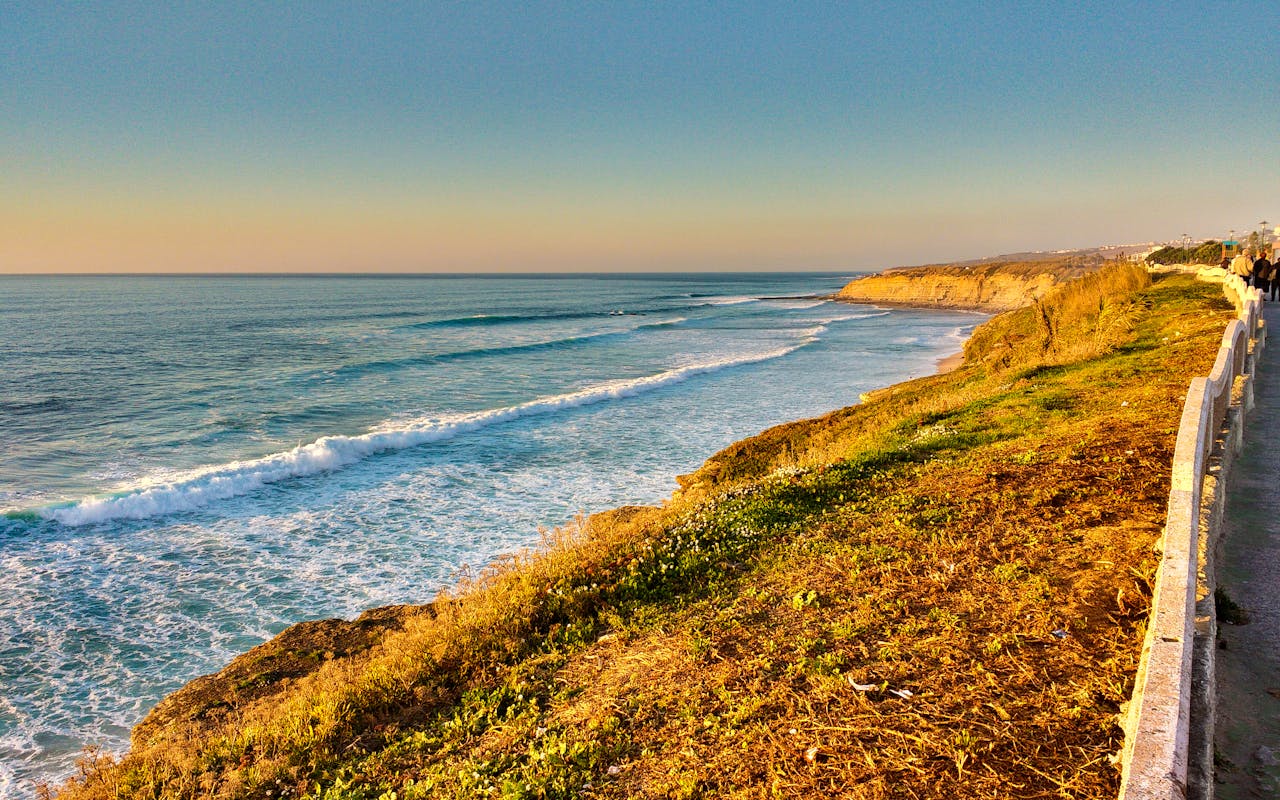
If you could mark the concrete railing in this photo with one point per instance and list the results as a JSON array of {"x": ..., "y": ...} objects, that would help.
[{"x": 1158, "y": 729}]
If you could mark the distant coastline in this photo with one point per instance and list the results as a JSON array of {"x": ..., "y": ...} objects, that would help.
[{"x": 992, "y": 287}]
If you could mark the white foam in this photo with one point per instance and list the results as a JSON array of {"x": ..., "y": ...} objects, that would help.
[
  {"x": 666, "y": 323},
  {"x": 574, "y": 339},
  {"x": 848, "y": 317},
  {"x": 733, "y": 301},
  {"x": 18, "y": 745},
  {"x": 797, "y": 305},
  {"x": 198, "y": 488}
]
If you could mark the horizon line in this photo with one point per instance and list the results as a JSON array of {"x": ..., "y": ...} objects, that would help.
[{"x": 428, "y": 274}]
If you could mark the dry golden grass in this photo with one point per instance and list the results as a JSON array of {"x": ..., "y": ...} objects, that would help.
[
  {"x": 1087, "y": 317},
  {"x": 936, "y": 594},
  {"x": 1063, "y": 269},
  {"x": 1077, "y": 320}
]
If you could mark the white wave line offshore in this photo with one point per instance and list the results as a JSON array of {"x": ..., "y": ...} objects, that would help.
[
  {"x": 198, "y": 488},
  {"x": 849, "y": 317},
  {"x": 795, "y": 305}
]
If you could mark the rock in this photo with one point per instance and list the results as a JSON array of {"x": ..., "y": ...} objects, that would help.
[{"x": 295, "y": 652}]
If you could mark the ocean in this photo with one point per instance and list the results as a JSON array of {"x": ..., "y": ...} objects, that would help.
[{"x": 188, "y": 465}]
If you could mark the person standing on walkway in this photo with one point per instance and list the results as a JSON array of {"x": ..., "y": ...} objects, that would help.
[
  {"x": 1274, "y": 276},
  {"x": 1241, "y": 265},
  {"x": 1262, "y": 273}
]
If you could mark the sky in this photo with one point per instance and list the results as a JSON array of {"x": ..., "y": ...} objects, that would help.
[{"x": 495, "y": 137}]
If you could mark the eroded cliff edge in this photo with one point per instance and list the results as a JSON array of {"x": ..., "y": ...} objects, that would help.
[{"x": 994, "y": 287}]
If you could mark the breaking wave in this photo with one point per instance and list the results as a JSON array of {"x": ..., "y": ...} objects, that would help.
[{"x": 198, "y": 488}]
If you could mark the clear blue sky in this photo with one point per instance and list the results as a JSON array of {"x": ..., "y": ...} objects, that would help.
[{"x": 483, "y": 136}]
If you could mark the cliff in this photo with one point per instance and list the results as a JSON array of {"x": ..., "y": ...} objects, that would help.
[
  {"x": 939, "y": 592},
  {"x": 270, "y": 668},
  {"x": 995, "y": 287}
]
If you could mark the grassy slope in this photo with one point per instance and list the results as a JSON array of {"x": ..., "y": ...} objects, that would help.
[
  {"x": 1060, "y": 268},
  {"x": 938, "y": 593}
]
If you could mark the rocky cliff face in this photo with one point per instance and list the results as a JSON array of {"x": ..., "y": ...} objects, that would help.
[
  {"x": 987, "y": 287},
  {"x": 268, "y": 669}
]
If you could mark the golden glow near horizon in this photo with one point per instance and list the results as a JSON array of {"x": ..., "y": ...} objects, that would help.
[
  {"x": 219, "y": 240},
  {"x": 164, "y": 240},
  {"x": 96, "y": 231}
]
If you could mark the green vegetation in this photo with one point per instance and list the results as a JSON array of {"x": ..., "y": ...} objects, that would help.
[
  {"x": 1255, "y": 242},
  {"x": 1210, "y": 252},
  {"x": 937, "y": 593}
]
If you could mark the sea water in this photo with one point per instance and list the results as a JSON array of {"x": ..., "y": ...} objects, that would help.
[{"x": 190, "y": 464}]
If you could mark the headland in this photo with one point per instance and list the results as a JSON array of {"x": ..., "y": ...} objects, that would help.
[{"x": 993, "y": 286}]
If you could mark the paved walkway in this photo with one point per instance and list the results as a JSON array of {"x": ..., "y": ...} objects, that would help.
[{"x": 1248, "y": 720}]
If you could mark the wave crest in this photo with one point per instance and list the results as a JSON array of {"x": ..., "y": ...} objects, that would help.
[
  {"x": 198, "y": 488},
  {"x": 562, "y": 343}
]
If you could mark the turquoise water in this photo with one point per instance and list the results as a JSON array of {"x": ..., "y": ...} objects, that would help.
[{"x": 191, "y": 464}]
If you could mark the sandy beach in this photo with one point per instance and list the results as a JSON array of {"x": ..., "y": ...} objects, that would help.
[{"x": 950, "y": 362}]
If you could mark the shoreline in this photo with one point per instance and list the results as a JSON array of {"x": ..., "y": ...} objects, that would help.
[
  {"x": 339, "y": 637},
  {"x": 924, "y": 304},
  {"x": 356, "y": 615},
  {"x": 808, "y": 528},
  {"x": 948, "y": 363}
]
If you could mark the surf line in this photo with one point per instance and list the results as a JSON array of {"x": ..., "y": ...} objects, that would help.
[{"x": 198, "y": 488}]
